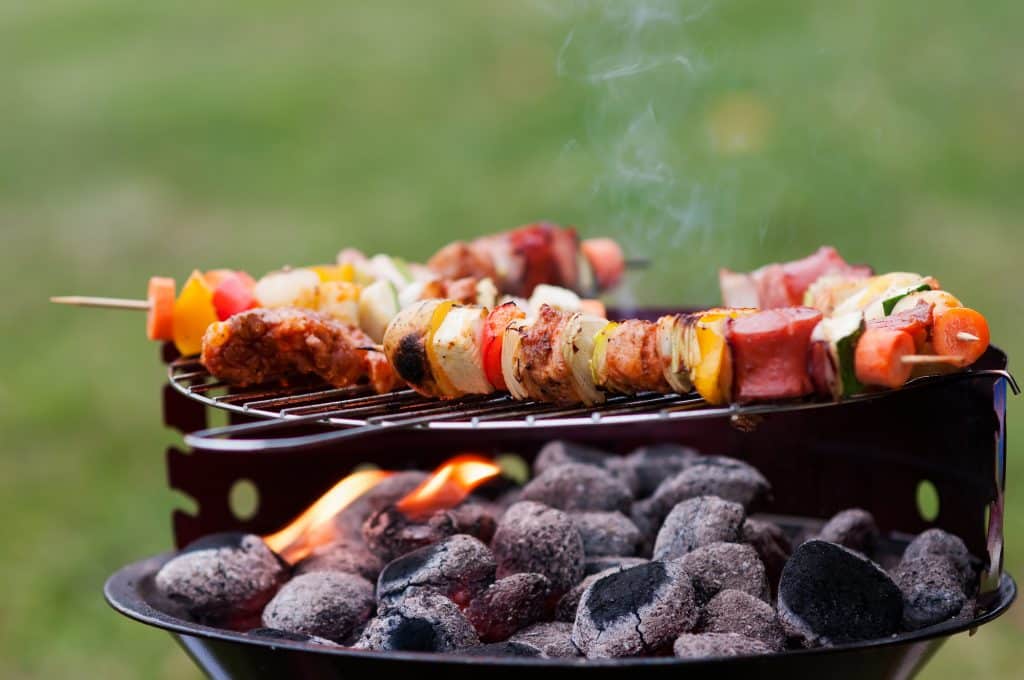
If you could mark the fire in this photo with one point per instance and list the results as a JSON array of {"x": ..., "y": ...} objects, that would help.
[
  {"x": 448, "y": 485},
  {"x": 314, "y": 527}
]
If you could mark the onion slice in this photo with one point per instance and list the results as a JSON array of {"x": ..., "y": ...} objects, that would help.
[
  {"x": 511, "y": 366},
  {"x": 456, "y": 344},
  {"x": 577, "y": 351}
]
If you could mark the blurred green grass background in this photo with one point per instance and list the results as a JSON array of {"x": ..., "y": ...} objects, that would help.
[{"x": 151, "y": 138}]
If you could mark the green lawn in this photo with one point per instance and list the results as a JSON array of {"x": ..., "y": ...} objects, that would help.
[{"x": 143, "y": 138}]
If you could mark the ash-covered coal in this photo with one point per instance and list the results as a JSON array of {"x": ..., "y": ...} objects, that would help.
[
  {"x": 607, "y": 534},
  {"x": 698, "y": 522},
  {"x": 565, "y": 610},
  {"x": 390, "y": 533},
  {"x": 552, "y": 639},
  {"x": 424, "y": 621},
  {"x": 853, "y": 528},
  {"x": 772, "y": 546},
  {"x": 499, "y": 649},
  {"x": 349, "y": 522},
  {"x": 651, "y": 465},
  {"x": 734, "y": 611},
  {"x": 459, "y": 567},
  {"x": 509, "y": 604},
  {"x": 711, "y": 645},
  {"x": 830, "y": 594},
  {"x": 327, "y": 604},
  {"x": 560, "y": 452},
  {"x": 636, "y": 611},
  {"x": 932, "y": 588},
  {"x": 576, "y": 487},
  {"x": 350, "y": 557},
  {"x": 725, "y": 566},
  {"x": 223, "y": 579},
  {"x": 534, "y": 538},
  {"x": 939, "y": 543}
]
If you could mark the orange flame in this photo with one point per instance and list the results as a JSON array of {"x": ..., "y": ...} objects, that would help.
[
  {"x": 448, "y": 485},
  {"x": 314, "y": 527}
]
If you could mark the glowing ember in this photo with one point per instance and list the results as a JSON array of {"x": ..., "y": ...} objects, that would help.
[
  {"x": 448, "y": 486},
  {"x": 314, "y": 526}
]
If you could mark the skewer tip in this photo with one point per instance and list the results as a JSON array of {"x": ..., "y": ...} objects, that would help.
[{"x": 967, "y": 337}]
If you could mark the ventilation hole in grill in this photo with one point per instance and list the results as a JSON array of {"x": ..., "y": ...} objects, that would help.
[
  {"x": 513, "y": 467},
  {"x": 927, "y": 500},
  {"x": 216, "y": 417},
  {"x": 244, "y": 499}
]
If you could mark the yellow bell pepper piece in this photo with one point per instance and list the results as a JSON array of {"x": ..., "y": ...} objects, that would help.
[
  {"x": 335, "y": 272},
  {"x": 439, "y": 375},
  {"x": 711, "y": 373},
  {"x": 193, "y": 314},
  {"x": 597, "y": 359}
]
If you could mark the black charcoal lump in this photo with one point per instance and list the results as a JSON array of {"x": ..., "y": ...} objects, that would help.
[
  {"x": 560, "y": 452},
  {"x": 349, "y": 522},
  {"x": 932, "y": 589},
  {"x": 575, "y": 487},
  {"x": 606, "y": 533},
  {"x": 222, "y": 578},
  {"x": 507, "y": 605},
  {"x": 552, "y": 639},
  {"x": 725, "y": 566},
  {"x": 698, "y": 522},
  {"x": 534, "y": 538},
  {"x": 459, "y": 567},
  {"x": 829, "y": 594},
  {"x": 326, "y": 604},
  {"x": 733, "y": 611},
  {"x": 853, "y": 528},
  {"x": 567, "y": 605},
  {"x": 423, "y": 621},
  {"x": 710, "y": 645},
  {"x": 636, "y": 611}
]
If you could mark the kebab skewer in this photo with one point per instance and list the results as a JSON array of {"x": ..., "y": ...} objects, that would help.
[{"x": 369, "y": 291}]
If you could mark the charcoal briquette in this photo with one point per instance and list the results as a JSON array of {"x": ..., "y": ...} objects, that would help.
[
  {"x": 734, "y": 611},
  {"x": 941, "y": 543},
  {"x": 606, "y": 533},
  {"x": 772, "y": 546},
  {"x": 349, "y": 522},
  {"x": 853, "y": 528},
  {"x": 552, "y": 639},
  {"x": 725, "y": 566},
  {"x": 728, "y": 478},
  {"x": 327, "y": 604},
  {"x": 535, "y": 538},
  {"x": 698, "y": 522},
  {"x": 560, "y": 452},
  {"x": 576, "y": 487},
  {"x": 651, "y": 465},
  {"x": 351, "y": 557},
  {"x": 424, "y": 621},
  {"x": 507, "y": 605},
  {"x": 223, "y": 579},
  {"x": 932, "y": 588},
  {"x": 829, "y": 594},
  {"x": 710, "y": 645},
  {"x": 565, "y": 610},
  {"x": 636, "y": 611},
  {"x": 459, "y": 567}
]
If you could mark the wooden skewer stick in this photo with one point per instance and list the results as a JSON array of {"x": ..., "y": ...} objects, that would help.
[
  {"x": 967, "y": 337},
  {"x": 930, "y": 359},
  {"x": 105, "y": 302}
]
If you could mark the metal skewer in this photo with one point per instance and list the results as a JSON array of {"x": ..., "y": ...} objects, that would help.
[{"x": 104, "y": 302}]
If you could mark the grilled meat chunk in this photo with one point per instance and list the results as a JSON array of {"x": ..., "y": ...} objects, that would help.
[{"x": 262, "y": 345}]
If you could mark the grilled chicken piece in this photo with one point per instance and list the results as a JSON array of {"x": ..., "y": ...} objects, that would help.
[
  {"x": 631, "y": 362},
  {"x": 262, "y": 345},
  {"x": 545, "y": 373}
]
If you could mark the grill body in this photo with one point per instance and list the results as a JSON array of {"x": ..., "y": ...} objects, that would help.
[{"x": 872, "y": 452}]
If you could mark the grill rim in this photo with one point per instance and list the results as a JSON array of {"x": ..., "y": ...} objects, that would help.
[{"x": 484, "y": 411}]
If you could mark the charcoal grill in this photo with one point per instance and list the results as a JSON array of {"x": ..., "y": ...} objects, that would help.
[{"x": 294, "y": 443}]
